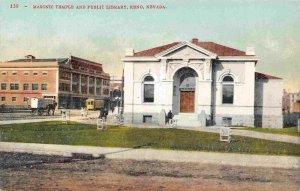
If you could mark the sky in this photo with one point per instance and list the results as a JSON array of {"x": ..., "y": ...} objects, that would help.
[{"x": 272, "y": 27}]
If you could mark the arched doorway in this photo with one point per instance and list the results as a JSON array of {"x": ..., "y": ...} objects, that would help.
[{"x": 184, "y": 91}]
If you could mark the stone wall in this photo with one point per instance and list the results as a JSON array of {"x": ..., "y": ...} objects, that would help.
[
  {"x": 138, "y": 118},
  {"x": 236, "y": 120}
]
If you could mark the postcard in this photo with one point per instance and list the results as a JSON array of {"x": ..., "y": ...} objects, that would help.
[{"x": 149, "y": 95}]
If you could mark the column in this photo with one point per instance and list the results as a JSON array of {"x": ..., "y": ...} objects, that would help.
[
  {"x": 71, "y": 86},
  {"x": 95, "y": 86},
  {"x": 79, "y": 88},
  {"x": 88, "y": 85}
]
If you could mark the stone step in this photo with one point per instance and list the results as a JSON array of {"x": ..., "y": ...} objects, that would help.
[
  {"x": 187, "y": 120},
  {"x": 186, "y": 116}
]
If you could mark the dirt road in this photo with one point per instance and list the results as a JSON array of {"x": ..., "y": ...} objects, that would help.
[{"x": 31, "y": 172}]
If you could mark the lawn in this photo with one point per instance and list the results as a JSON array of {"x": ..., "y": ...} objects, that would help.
[
  {"x": 292, "y": 131},
  {"x": 175, "y": 139}
]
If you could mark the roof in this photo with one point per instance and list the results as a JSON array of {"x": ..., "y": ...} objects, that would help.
[
  {"x": 262, "y": 76},
  {"x": 218, "y": 49},
  {"x": 60, "y": 60},
  {"x": 40, "y": 60},
  {"x": 156, "y": 50},
  {"x": 84, "y": 60}
]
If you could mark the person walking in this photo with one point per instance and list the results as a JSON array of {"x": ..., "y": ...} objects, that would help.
[{"x": 169, "y": 117}]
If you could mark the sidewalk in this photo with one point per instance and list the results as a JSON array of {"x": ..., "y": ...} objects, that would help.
[
  {"x": 259, "y": 135},
  {"x": 151, "y": 154}
]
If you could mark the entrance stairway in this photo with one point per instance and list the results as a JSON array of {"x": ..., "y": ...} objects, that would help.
[{"x": 187, "y": 120}]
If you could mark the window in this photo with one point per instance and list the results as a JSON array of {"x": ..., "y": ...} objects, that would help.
[
  {"x": 91, "y": 90},
  {"x": 14, "y": 73},
  {"x": 91, "y": 85},
  {"x": 75, "y": 88},
  {"x": 35, "y": 73},
  {"x": 3, "y": 86},
  {"x": 26, "y": 99},
  {"x": 227, "y": 90},
  {"x": 83, "y": 79},
  {"x": 44, "y": 87},
  {"x": 3, "y": 98},
  {"x": 75, "y": 78},
  {"x": 35, "y": 86},
  {"x": 64, "y": 87},
  {"x": 14, "y": 86},
  {"x": 147, "y": 118},
  {"x": 98, "y": 82},
  {"x": 105, "y": 91},
  {"x": 227, "y": 121},
  {"x": 3, "y": 73},
  {"x": 148, "y": 89},
  {"x": 25, "y": 86},
  {"x": 64, "y": 75},
  {"x": 44, "y": 73},
  {"x": 13, "y": 99},
  {"x": 105, "y": 82},
  {"x": 98, "y": 91},
  {"x": 26, "y": 73},
  {"x": 83, "y": 84}
]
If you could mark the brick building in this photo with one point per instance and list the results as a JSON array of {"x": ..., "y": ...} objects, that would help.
[{"x": 70, "y": 81}]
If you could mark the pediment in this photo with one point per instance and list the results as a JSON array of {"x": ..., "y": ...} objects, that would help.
[{"x": 188, "y": 51}]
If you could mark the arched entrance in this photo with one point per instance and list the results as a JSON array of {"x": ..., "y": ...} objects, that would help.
[{"x": 184, "y": 91}]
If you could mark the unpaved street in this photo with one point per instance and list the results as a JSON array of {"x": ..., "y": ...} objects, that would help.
[{"x": 29, "y": 172}]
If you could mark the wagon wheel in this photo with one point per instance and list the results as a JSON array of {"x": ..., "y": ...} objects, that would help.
[
  {"x": 40, "y": 112},
  {"x": 33, "y": 112}
]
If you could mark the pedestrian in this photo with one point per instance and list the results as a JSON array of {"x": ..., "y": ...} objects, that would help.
[
  {"x": 169, "y": 116},
  {"x": 82, "y": 112},
  {"x": 105, "y": 113},
  {"x": 48, "y": 109},
  {"x": 53, "y": 106},
  {"x": 112, "y": 109},
  {"x": 101, "y": 113}
]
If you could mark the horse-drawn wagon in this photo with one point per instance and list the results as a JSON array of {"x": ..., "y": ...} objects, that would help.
[{"x": 40, "y": 106}]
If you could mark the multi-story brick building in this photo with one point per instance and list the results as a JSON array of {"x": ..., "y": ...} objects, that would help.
[{"x": 70, "y": 81}]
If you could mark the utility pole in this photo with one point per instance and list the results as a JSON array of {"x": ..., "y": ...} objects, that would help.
[{"x": 122, "y": 91}]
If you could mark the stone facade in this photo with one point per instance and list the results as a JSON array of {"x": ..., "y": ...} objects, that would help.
[{"x": 191, "y": 79}]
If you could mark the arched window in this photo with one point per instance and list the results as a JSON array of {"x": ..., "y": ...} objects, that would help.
[
  {"x": 227, "y": 90},
  {"x": 148, "y": 89}
]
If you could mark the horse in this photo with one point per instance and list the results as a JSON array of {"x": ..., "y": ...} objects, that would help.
[{"x": 51, "y": 107}]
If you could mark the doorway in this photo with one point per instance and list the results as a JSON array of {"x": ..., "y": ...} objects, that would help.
[{"x": 187, "y": 101}]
